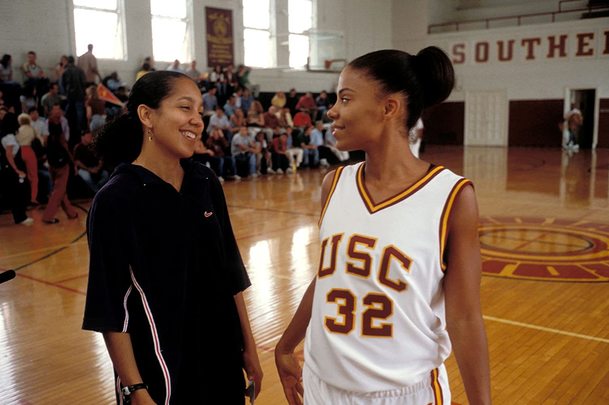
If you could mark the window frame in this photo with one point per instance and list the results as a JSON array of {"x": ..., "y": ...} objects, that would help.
[{"x": 121, "y": 25}]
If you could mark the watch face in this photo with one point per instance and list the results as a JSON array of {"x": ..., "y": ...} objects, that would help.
[{"x": 544, "y": 249}]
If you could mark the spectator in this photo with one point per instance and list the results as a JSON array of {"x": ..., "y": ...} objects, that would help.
[
  {"x": 59, "y": 159},
  {"x": 95, "y": 109},
  {"x": 34, "y": 74},
  {"x": 322, "y": 104},
  {"x": 220, "y": 147},
  {"x": 306, "y": 103},
  {"x": 38, "y": 123},
  {"x": 56, "y": 117},
  {"x": 28, "y": 97},
  {"x": 281, "y": 162},
  {"x": 112, "y": 82},
  {"x": 295, "y": 151},
  {"x": 291, "y": 101},
  {"x": 25, "y": 137},
  {"x": 74, "y": 83},
  {"x": 50, "y": 99},
  {"x": 207, "y": 157},
  {"x": 285, "y": 118},
  {"x": 219, "y": 120},
  {"x": 243, "y": 76},
  {"x": 175, "y": 67},
  {"x": 146, "y": 67},
  {"x": 60, "y": 68},
  {"x": 279, "y": 100},
  {"x": 230, "y": 106},
  {"x": 88, "y": 166},
  {"x": 312, "y": 140},
  {"x": 243, "y": 149},
  {"x": 247, "y": 99},
  {"x": 255, "y": 115},
  {"x": 210, "y": 101},
  {"x": 8, "y": 86},
  {"x": 12, "y": 174},
  {"x": 193, "y": 73},
  {"x": 88, "y": 63},
  {"x": 302, "y": 120}
]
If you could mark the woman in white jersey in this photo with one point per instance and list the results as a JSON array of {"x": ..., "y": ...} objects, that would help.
[{"x": 399, "y": 273}]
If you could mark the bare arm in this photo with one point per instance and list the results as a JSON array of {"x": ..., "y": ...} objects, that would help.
[
  {"x": 250, "y": 355},
  {"x": 288, "y": 367},
  {"x": 121, "y": 352},
  {"x": 462, "y": 288}
]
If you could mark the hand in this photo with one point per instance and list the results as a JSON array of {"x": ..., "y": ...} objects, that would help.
[
  {"x": 253, "y": 369},
  {"x": 290, "y": 374},
  {"x": 21, "y": 174},
  {"x": 142, "y": 397}
]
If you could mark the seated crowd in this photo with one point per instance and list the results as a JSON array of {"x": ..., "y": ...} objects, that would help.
[{"x": 48, "y": 122}]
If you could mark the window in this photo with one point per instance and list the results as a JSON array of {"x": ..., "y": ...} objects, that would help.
[
  {"x": 257, "y": 45},
  {"x": 99, "y": 22},
  {"x": 171, "y": 30},
  {"x": 300, "y": 21}
]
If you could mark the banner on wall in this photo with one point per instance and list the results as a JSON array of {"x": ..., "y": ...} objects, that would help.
[{"x": 220, "y": 50}]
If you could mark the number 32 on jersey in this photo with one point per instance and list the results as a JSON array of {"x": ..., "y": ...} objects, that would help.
[{"x": 377, "y": 307}]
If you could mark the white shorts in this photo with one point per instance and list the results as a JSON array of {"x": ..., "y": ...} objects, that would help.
[{"x": 433, "y": 390}]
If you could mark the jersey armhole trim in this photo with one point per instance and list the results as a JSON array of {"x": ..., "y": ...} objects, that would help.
[
  {"x": 337, "y": 174},
  {"x": 446, "y": 212}
]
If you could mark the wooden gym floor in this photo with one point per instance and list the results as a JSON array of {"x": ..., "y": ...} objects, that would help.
[{"x": 545, "y": 294}]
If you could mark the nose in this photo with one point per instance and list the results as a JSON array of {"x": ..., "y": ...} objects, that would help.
[
  {"x": 197, "y": 120},
  {"x": 332, "y": 113}
]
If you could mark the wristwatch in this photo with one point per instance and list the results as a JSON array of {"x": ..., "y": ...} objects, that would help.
[{"x": 130, "y": 389}]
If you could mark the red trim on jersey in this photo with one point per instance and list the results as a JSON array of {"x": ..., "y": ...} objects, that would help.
[
  {"x": 369, "y": 203},
  {"x": 337, "y": 174},
  {"x": 446, "y": 211},
  {"x": 155, "y": 339}
]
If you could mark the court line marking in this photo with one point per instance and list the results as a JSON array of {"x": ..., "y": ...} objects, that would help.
[
  {"x": 28, "y": 252},
  {"x": 51, "y": 284},
  {"x": 545, "y": 329}
]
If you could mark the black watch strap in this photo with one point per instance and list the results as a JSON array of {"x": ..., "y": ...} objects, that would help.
[{"x": 130, "y": 389}]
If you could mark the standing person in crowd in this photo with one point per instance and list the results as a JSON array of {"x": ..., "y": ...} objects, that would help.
[
  {"x": 88, "y": 63},
  {"x": 60, "y": 160},
  {"x": 95, "y": 109},
  {"x": 12, "y": 169},
  {"x": 323, "y": 104},
  {"x": 291, "y": 100},
  {"x": 574, "y": 120},
  {"x": 26, "y": 135},
  {"x": 399, "y": 273},
  {"x": 160, "y": 210},
  {"x": 193, "y": 72},
  {"x": 243, "y": 76},
  {"x": 74, "y": 84}
]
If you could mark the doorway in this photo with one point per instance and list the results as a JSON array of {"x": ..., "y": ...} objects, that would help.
[{"x": 584, "y": 100}]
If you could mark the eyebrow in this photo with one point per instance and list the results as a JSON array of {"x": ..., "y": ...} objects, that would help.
[{"x": 345, "y": 89}]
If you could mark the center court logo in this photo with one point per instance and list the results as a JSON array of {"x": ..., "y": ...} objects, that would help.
[{"x": 546, "y": 249}]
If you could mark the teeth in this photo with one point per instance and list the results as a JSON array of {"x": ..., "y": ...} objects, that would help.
[{"x": 189, "y": 135}]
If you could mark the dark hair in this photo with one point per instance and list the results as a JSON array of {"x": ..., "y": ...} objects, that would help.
[
  {"x": 6, "y": 58},
  {"x": 121, "y": 139},
  {"x": 71, "y": 60},
  {"x": 425, "y": 79},
  {"x": 9, "y": 124}
]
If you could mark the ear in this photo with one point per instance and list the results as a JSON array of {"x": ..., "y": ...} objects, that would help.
[
  {"x": 145, "y": 113},
  {"x": 392, "y": 107}
]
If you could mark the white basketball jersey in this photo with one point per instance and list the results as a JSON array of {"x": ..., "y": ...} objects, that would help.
[{"x": 378, "y": 320}]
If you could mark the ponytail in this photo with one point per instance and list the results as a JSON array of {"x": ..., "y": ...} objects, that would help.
[{"x": 425, "y": 79}]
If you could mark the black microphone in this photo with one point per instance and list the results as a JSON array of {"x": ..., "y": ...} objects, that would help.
[{"x": 7, "y": 275}]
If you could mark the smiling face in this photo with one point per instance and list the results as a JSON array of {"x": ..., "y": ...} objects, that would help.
[
  {"x": 177, "y": 123},
  {"x": 357, "y": 115}
]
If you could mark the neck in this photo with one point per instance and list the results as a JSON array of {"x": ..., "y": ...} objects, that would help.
[
  {"x": 168, "y": 168},
  {"x": 392, "y": 159}
]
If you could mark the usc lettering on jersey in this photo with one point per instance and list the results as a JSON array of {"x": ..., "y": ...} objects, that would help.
[{"x": 378, "y": 320}]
